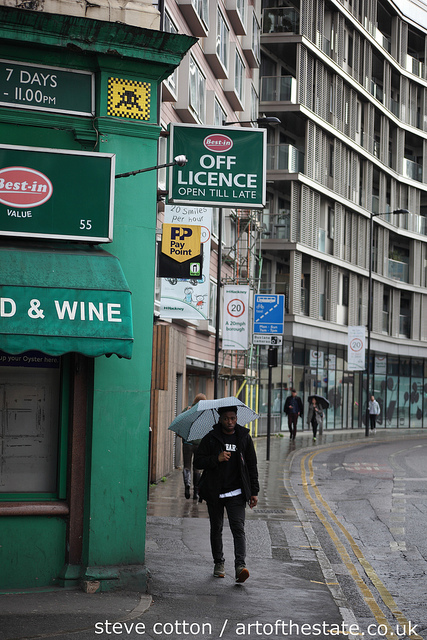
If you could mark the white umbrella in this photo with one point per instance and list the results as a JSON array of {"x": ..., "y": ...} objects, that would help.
[{"x": 200, "y": 419}]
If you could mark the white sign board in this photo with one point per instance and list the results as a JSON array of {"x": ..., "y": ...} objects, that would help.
[
  {"x": 356, "y": 348},
  {"x": 259, "y": 338},
  {"x": 188, "y": 299},
  {"x": 317, "y": 358},
  {"x": 235, "y": 328}
]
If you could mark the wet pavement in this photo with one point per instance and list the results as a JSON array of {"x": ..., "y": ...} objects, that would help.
[{"x": 292, "y": 590}]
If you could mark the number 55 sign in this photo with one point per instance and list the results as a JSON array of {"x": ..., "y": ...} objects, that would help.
[
  {"x": 55, "y": 193},
  {"x": 235, "y": 334}
]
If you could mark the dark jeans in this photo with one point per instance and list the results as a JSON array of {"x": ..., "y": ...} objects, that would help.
[
  {"x": 292, "y": 423},
  {"x": 235, "y": 508},
  {"x": 314, "y": 426},
  {"x": 188, "y": 453},
  {"x": 373, "y": 420}
]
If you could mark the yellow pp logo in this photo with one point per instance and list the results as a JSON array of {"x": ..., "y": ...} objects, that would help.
[{"x": 181, "y": 243}]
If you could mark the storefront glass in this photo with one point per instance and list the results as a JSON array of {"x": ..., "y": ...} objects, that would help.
[
  {"x": 29, "y": 425},
  {"x": 392, "y": 392},
  {"x": 404, "y": 392},
  {"x": 399, "y": 386},
  {"x": 416, "y": 397}
]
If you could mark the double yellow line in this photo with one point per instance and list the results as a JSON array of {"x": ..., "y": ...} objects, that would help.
[{"x": 367, "y": 594}]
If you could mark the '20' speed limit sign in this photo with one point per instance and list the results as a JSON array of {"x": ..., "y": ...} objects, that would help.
[{"x": 236, "y": 308}]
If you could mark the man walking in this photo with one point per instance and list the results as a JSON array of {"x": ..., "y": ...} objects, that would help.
[
  {"x": 293, "y": 409},
  {"x": 374, "y": 411},
  {"x": 229, "y": 481}
]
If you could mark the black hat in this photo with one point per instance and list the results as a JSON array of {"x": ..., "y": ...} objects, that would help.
[{"x": 222, "y": 410}]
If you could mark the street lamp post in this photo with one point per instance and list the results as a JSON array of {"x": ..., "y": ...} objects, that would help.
[
  {"x": 261, "y": 122},
  {"x": 369, "y": 323}
]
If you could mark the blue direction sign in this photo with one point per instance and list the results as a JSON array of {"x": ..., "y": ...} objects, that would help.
[{"x": 269, "y": 314}]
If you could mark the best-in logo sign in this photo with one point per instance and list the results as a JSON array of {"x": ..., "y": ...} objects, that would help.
[
  {"x": 24, "y": 187},
  {"x": 218, "y": 142}
]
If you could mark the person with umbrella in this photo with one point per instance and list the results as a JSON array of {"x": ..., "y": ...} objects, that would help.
[
  {"x": 189, "y": 450},
  {"x": 229, "y": 481},
  {"x": 314, "y": 415}
]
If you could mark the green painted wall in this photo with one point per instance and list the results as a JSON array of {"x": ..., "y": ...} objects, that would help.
[
  {"x": 119, "y": 470},
  {"x": 117, "y": 443},
  {"x": 32, "y": 551}
]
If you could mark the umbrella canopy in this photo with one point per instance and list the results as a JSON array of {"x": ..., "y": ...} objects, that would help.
[
  {"x": 200, "y": 419},
  {"x": 322, "y": 402}
]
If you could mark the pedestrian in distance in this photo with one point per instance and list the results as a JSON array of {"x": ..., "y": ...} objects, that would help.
[
  {"x": 293, "y": 409},
  {"x": 315, "y": 417},
  {"x": 189, "y": 450},
  {"x": 229, "y": 481},
  {"x": 374, "y": 411}
]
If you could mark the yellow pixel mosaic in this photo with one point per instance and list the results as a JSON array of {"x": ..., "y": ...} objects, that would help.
[{"x": 128, "y": 99}]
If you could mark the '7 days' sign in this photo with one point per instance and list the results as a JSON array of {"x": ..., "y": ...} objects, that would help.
[
  {"x": 49, "y": 193},
  {"x": 41, "y": 88},
  {"x": 225, "y": 168}
]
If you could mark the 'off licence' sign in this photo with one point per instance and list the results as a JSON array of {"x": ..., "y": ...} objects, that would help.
[{"x": 225, "y": 168}]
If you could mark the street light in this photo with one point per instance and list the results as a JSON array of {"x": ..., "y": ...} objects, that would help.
[
  {"x": 179, "y": 160},
  {"x": 267, "y": 120},
  {"x": 261, "y": 122},
  {"x": 368, "y": 351}
]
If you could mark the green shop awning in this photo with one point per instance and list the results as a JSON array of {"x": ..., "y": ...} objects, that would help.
[{"x": 59, "y": 299}]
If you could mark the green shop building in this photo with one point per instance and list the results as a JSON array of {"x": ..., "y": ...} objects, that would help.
[{"x": 78, "y": 106}]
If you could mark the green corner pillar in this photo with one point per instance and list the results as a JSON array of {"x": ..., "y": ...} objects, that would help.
[{"x": 117, "y": 454}]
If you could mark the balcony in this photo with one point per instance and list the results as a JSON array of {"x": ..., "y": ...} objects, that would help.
[
  {"x": 322, "y": 240},
  {"x": 394, "y": 107},
  {"x": 278, "y": 89},
  {"x": 415, "y": 66},
  {"x": 412, "y": 170},
  {"x": 280, "y": 225},
  {"x": 397, "y": 270},
  {"x": 409, "y": 221},
  {"x": 386, "y": 322},
  {"x": 383, "y": 40},
  {"x": 376, "y": 90},
  {"x": 405, "y": 326},
  {"x": 305, "y": 301},
  {"x": 280, "y": 20},
  {"x": 284, "y": 157}
]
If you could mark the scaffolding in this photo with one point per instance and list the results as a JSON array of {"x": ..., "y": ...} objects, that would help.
[{"x": 244, "y": 260}]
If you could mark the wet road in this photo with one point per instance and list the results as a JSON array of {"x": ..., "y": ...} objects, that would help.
[{"x": 367, "y": 504}]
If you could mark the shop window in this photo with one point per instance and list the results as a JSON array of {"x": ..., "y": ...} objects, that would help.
[{"x": 31, "y": 443}]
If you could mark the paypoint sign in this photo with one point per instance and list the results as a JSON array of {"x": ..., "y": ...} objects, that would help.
[
  {"x": 181, "y": 243},
  {"x": 181, "y": 254},
  {"x": 225, "y": 168}
]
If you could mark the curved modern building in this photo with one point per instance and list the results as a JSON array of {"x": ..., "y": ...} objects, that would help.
[{"x": 348, "y": 81}]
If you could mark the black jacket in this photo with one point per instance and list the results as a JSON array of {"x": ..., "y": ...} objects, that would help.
[
  {"x": 288, "y": 404},
  {"x": 206, "y": 458}
]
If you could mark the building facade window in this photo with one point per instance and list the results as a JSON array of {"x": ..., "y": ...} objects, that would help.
[
  {"x": 172, "y": 80},
  {"x": 197, "y": 91},
  {"x": 241, "y": 10},
  {"x": 222, "y": 39},
  {"x": 220, "y": 115},
  {"x": 254, "y": 103},
  {"x": 256, "y": 31},
  {"x": 201, "y": 7},
  {"x": 239, "y": 77}
]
